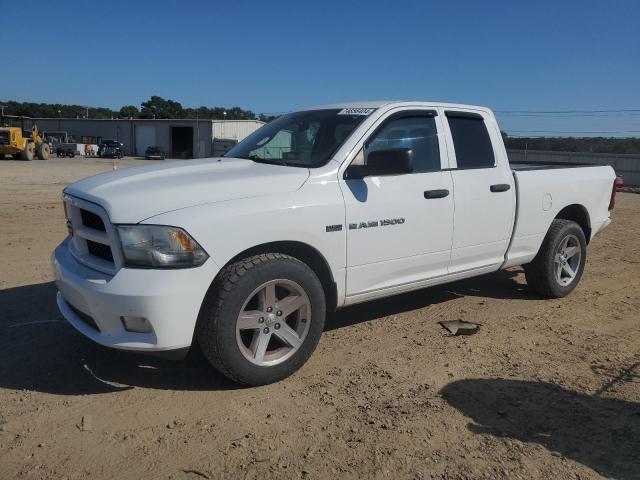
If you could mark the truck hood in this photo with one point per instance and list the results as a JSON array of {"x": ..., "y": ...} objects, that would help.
[{"x": 135, "y": 194}]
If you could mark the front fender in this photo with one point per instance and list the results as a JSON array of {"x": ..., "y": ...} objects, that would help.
[{"x": 225, "y": 229}]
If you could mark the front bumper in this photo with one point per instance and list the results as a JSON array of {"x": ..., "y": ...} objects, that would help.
[
  {"x": 94, "y": 302},
  {"x": 8, "y": 150}
]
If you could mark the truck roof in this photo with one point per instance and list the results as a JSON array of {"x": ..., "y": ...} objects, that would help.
[{"x": 395, "y": 103}]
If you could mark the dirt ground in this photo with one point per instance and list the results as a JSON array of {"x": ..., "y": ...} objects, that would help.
[{"x": 546, "y": 389}]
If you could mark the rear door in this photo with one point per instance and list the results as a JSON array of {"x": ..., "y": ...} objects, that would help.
[
  {"x": 400, "y": 226},
  {"x": 484, "y": 193}
]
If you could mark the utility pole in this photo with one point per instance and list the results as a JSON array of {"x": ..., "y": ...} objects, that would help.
[{"x": 2, "y": 107}]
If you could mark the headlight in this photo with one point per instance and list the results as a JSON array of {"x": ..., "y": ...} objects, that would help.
[{"x": 157, "y": 246}]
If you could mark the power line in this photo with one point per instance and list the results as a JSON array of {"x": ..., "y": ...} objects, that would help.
[
  {"x": 576, "y": 131},
  {"x": 628, "y": 112},
  {"x": 568, "y": 115},
  {"x": 561, "y": 134},
  {"x": 570, "y": 111},
  {"x": 564, "y": 136}
]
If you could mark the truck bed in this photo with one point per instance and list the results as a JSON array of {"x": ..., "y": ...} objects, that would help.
[{"x": 543, "y": 189}]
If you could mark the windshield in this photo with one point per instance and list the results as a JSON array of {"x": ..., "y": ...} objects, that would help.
[{"x": 300, "y": 139}]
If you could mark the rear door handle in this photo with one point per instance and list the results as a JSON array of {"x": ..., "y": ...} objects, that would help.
[
  {"x": 436, "y": 193},
  {"x": 500, "y": 187}
]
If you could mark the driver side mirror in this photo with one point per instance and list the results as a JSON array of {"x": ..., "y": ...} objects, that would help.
[{"x": 382, "y": 163}]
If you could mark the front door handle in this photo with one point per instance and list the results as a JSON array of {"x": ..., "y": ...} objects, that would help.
[
  {"x": 500, "y": 187},
  {"x": 436, "y": 193}
]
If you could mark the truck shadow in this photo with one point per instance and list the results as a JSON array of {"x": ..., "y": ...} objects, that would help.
[
  {"x": 600, "y": 433},
  {"x": 39, "y": 351},
  {"x": 500, "y": 285}
]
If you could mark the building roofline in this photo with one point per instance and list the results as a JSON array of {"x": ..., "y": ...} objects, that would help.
[{"x": 203, "y": 120}]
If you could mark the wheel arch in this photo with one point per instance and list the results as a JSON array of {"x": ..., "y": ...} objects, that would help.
[
  {"x": 579, "y": 214},
  {"x": 306, "y": 254}
]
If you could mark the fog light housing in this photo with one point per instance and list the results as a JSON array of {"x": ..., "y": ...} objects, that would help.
[{"x": 136, "y": 324}]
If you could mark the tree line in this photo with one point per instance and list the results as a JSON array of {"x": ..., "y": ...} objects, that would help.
[
  {"x": 155, "y": 107},
  {"x": 158, "y": 107},
  {"x": 574, "y": 144}
]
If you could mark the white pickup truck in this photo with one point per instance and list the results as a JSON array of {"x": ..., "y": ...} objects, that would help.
[{"x": 243, "y": 255}]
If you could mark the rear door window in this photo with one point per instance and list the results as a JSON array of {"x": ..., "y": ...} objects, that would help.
[{"x": 471, "y": 140}]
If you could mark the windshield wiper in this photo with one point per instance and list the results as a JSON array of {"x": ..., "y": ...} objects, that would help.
[{"x": 259, "y": 159}]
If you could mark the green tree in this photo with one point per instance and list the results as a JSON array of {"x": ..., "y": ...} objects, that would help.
[
  {"x": 129, "y": 111},
  {"x": 158, "y": 107},
  {"x": 266, "y": 118}
]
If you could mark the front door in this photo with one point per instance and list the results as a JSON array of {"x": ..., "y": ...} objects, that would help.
[{"x": 399, "y": 227}]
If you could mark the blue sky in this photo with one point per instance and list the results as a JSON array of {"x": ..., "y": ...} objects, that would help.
[{"x": 272, "y": 56}]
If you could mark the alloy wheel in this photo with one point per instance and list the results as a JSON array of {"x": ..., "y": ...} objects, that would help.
[{"x": 273, "y": 322}]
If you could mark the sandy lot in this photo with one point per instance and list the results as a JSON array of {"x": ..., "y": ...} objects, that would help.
[{"x": 546, "y": 389}]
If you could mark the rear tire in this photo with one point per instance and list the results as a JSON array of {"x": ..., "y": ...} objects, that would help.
[
  {"x": 29, "y": 152},
  {"x": 557, "y": 268},
  {"x": 262, "y": 319},
  {"x": 43, "y": 151}
]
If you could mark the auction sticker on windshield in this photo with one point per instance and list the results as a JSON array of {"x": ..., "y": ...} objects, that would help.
[{"x": 356, "y": 111}]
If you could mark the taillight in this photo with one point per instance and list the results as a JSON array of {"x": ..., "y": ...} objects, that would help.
[{"x": 617, "y": 185}]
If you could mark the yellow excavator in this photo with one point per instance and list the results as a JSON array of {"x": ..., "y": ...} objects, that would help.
[{"x": 19, "y": 142}]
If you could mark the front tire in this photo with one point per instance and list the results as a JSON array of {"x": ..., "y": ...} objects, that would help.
[
  {"x": 29, "y": 152},
  {"x": 262, "y": 319},
  {"x": 558, "y": 266}
]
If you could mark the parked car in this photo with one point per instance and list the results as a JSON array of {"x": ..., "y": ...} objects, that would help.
[
  {"x": 111, "y": 149},
  {"x": 66, "y": 150},
  {"x": 154, "y": 153},
  {"x": 319, "y": 209}
]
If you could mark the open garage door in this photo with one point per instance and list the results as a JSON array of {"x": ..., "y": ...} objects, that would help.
[
  {"x": 145, "y": 137},
  {"x": 182, "y": 142}
]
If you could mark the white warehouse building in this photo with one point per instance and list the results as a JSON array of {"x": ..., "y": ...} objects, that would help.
[{"x": 178, "y": 138}]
